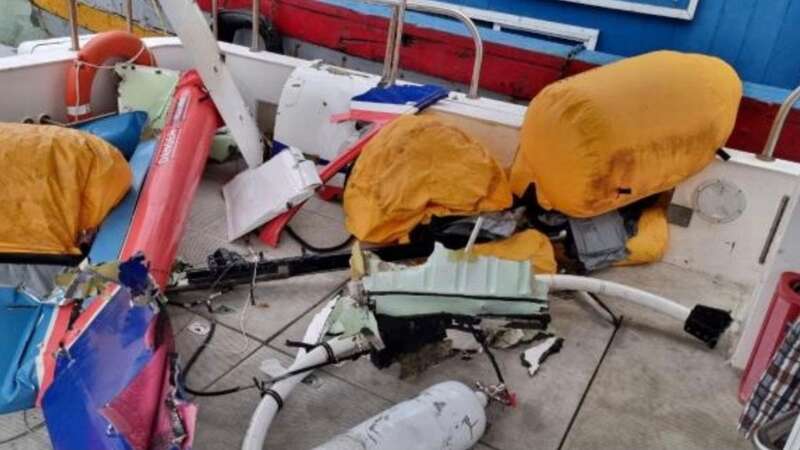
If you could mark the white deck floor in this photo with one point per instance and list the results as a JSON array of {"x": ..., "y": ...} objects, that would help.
[{"x": 654, "y": 388}]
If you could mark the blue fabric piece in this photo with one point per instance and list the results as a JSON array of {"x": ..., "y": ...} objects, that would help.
[
  {"x": 111, "y": 235},
  {"x": 419, "y": 96},
  {"x": 101, "y": 363},
  {"x": 24, "y": 323},
  {"x": 134, "y": 275},
  {"x": 123, "y": 131}
]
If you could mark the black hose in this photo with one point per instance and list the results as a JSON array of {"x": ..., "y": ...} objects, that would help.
[
  {"x": 305, "y": 244},
  {"x": 193, "y": 359}
]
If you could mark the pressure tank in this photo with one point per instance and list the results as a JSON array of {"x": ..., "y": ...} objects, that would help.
[{"x": 447, "y": 415}]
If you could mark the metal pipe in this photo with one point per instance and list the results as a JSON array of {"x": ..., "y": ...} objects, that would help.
[
  {"x": 256, "y": 23},
  {"x": 129, "y": 15},
  {"x": 397, "y": 41},
  {"x": 73, "y": 24},
  {"x": 476, "y": 38},
  {"x": 402, "y": 5},
  {"x": 389, "y": 56},
  {"x": 777, "y": 126},
  {"x": 215, "y": 18}
]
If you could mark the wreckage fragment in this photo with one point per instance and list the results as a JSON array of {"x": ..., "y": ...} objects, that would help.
[{"x": 533, "y": 357}]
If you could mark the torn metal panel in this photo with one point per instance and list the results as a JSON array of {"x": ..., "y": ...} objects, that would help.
[
  {"x": 149, "y": 89},
  {"x": 258, "y": 195},
  {"x": 450, "y": 282},
  {"x": 350, "y": 318},
  {"x": 536, "y": 355}
]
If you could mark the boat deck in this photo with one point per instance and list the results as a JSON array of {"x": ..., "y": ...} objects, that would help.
[{"x": 647, "y": 385}]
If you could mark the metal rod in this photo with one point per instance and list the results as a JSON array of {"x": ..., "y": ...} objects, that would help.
[
  {"x": 397, "y": 41},
  {"x": 402, "y": 5},
  {"x": 777, "y": 126},
  {"x": 475, "y": 80},
  {"x": 773, "y": 229},
  {"x": 129, "y": 15},
  {"x": 73, "y": 24},
  {"x": 256, "y": 22},
  {"x": 389, "y": 56},
  {"x": 215, "y": 18}
]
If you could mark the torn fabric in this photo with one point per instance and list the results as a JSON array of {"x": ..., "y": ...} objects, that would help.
[
  {"x": 416, "y": 168},
  {"x": 529, "y": 245}
]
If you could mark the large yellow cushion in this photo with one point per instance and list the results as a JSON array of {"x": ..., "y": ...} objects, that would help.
[
  {"x": 416, "y": 168},
  {"x": 605, "y": 138},
  {"x": 55, "y": 183}
]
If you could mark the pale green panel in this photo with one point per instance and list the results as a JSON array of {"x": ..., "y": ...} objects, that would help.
[
  {"x": 418, "y": 305},
  {"x": 222, "y": 146},
  {"x": 494, "y": 286},
  {"x": 148, "y": 89},
  {"x": 453, "y": 272}
]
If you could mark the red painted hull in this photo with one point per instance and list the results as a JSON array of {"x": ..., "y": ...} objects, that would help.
[
  {"x": 515, "y": 72},
  {"x": 172, "y": 180}
]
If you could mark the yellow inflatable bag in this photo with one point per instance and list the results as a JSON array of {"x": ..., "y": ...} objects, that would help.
[
  {"x": 526, "y": 245},
  {"x": 55, "y": 184},
  {"x": 605, "y": 138},
  {"x": 416, "y": 168},
  {"x": 651, "y": 239}
]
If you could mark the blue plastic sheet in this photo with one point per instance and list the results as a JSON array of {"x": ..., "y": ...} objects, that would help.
[{"x": 123, "y": 131}]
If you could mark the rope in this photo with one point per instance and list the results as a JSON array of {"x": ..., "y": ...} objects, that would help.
[{"x": 79, "y": 63}]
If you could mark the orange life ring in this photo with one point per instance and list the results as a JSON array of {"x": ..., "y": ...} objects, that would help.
[{"x": 102, "y": 47}]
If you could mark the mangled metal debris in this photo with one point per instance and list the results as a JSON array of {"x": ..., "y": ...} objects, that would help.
[
  {"x": 533, "y": 357},
  {"x": 453, "y": 283},
  {"x": 289, "y": 179}
]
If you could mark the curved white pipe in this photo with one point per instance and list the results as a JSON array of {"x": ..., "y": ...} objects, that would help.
[
  {"x": 265, "y": 411},
  {"x": 603, "y": 287}
]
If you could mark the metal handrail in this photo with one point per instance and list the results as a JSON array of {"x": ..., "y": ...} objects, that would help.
[
  {"x": 129, "y": 15},
  {"x": 394, "y": 41},
  {"x": 777, "y": 126},
  {"x": 73, "y": 25},
  {"x": 256, "y": 24},
  {"x": 215, "y": 18}
]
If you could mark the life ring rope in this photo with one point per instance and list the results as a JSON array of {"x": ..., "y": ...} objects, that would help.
[
  {"x": 79, "y": 109},
  {"x": 76, "y": 109}
]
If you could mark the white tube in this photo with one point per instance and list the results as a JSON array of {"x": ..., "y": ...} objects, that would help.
[
  {"x": 631, "y": 294},
  {"x": 265, "y": 411}
]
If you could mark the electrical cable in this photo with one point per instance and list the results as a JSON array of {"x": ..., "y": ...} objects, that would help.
[
  {"x": 481, "y": 338},
  {"x": 193, "y": 359},
  {"x": 308, "y": 246}
]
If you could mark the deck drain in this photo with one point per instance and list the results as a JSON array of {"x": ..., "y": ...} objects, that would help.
[{"x": 200, "y": 328}]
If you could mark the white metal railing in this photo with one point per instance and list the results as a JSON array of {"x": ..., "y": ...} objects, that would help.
[
  {"x": 777, "y": 126},
  {"x": 394, "y": 40},
  {"x": 393, "y": 44}
]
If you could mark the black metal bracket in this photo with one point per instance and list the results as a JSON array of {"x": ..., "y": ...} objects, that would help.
[{"x": 707, "y": 323}]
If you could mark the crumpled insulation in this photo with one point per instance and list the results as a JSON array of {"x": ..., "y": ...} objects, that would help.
[
  {"x": 55, "y": 183},
  {"x": 610, "y": 136},
  {"x": 416, "y": 168},
  {"x": 528, "y": 245}
]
